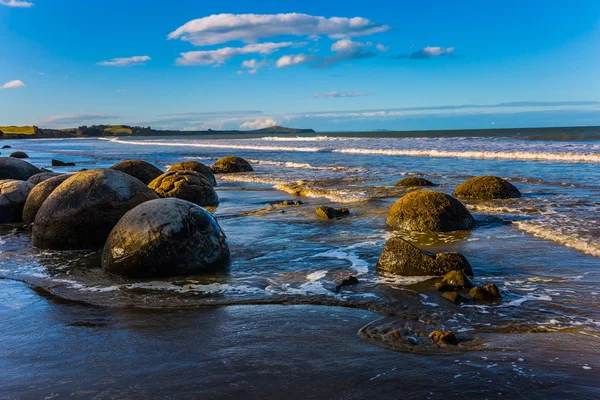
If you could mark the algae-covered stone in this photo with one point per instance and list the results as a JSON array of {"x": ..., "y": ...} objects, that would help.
[
  {"x": 430, "y": 211},
  {"x": 231, "y": 164},
  {"x": 14, "y": 168},
  {"x": 486, "y": 188},
  {"x": 186, "y": 185},
  {"x": 13, "y": 195},
  {"x": 19, "y": 154},
  {"x": 39, "y": 194},
  {"x": 140, "y": 169},
  {"x": 454, "y": 280},
  {"x": 196, "y": 167},
  {"x": 165, "y": 237},
  {"x": 485, "y": 293},
  {"x": 444, "y": 338},
  {"x": 454, "y": 297},
  {"x": 59, "y": 163},
  {"x": 400, "y": 257},
  {"x": 414, "y": 182},
  {"x": 81, "y": 211},
  {"x": 326, "y": 212},
  {"x": 42, "y": 176}
]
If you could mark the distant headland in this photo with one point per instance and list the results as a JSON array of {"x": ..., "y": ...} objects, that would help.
[{"x": 34, "y": 132}]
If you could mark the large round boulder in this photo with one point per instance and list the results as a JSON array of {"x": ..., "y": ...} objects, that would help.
[
  {"x": 231, "y": 164},
  {"x": 13, "y": 168},
  {"x": 165, "y": 237},
  {"x": 414, "y": 182},
  {"x": 196, "y": 167},
  {"x": 430, "y": 211},
  {"x": 13, "y": 195},
  {"x": 486, "y": 188},
  {"x": 39, "y": 194},
  {"x": 42, "y": 176},
  {"x": 400, "y": 257},
  {"x": 140, "y": 169},
  {"x": 19, "y": 154},
  {"x": 80, "y": 213},
  {"x": 186, "y": 185}
]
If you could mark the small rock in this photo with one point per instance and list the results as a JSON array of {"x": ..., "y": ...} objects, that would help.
[
  {"x": 454, "y": 297},
  {"x": 6, "y": 147},
  {"x": 443, "y": 338},
  {"x": 350, "y": 280},
  {"x": 58, "y": 163},
  {"x": 454, "y": 280},
  {"x": 19, "y": 154},
  {"x": 231, "y": 164},
  {"x": 485, "y": 293},
  {"x": 327, "y": 212}
]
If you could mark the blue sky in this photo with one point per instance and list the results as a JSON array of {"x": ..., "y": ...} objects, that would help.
[{"x": 241, "y": 65}]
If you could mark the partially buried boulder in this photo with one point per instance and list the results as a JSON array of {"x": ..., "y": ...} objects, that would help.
[
  {"x": 39, "y": 194},
  {"x": 454, "y": 280},
  {"x": 6, "y": 147},
  {"x": 326, "y": 212},
  {"x": 19, "y": 154},
  {"x": 13, "y": 168},
  {"x": 13, "y": 194},
  {"x": 400, "y": 257},
  {"x": 80, "y": 213},
  {"x": 140, "y": 169},
  {"x": 42, "y": 176},
  {"x": 430, "y": 211},
  {"x": 196, "y": 167},
  {"x": 485, "y": 293},
  {"x": 413, "y": 182},
  {"x": 165, "y": 237},
  {"x": 231, "y": 164},
  {"x": 186, "y": 185},
  {"x": 486, "y": 188},
  {"x": 59, "y": 163}
]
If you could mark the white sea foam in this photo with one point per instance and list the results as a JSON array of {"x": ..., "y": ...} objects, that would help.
[
  {"x": 307, "y": 139},
  {"x": 544, "y": 232},
  {"x": 289, "y": 164},
  {"x": 356, "y": 263}
]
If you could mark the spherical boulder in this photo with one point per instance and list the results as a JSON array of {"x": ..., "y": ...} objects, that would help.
[
  {"x": 19, "y": 154},
  {"x": 430, "y": 211},
  {"x": 13, "y": 168},
  {"x": 186, "y": 185},
  {"x": 39, "y": 194},
  {"x": 165, "y": 237},
  {"x": 196, "y": 167},
  {"x": 13, "y": 194},
  {"x": 231, "y": 164},
  {"x": 80, "y": 213},
  {"x": 486, "y": 188},
  {"x": 140, "y": 169},
  {"x": 414, "y": 182},
  {"x": 42, "y": 176}
]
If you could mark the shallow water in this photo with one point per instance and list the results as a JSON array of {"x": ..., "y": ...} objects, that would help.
[{"x": 541, "y": 250}]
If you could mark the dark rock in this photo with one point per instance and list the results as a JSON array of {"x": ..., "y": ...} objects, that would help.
[
  {"x": 350, "y": 280},
  {"x": 42, "y": 176},
  {"x": 39, "y": 194},
  {"x": 444, "y": 338},
  {"x": 400, "y": 257},
  {"x": 58, "y": 163},
  {"x": 326, "y": 212},
  {"x": 196, "y": 167},
  {"x": 186, "y": 185},
  {"x": 80, "y": 213},
  {"x": 486, "y": 188},
  {"x": 6, "y": 147},
  {"x": 231, "y": 164},
  {"x": 19, "y": 154},
  {"x": 165, "y": 237},
  {"x": 454, "y": 297},
  {"x": 140, "y": 169},
  {"x": 13, "y": 195},
  {"x": 454, "y": 280},
  {"x": 413, "y": 182},
  {"x": 430, "y": 211},
  {"x": 485, "y": 293},
  {"x": 14, "y": 168},
  {"x": 286, "y": 203}
]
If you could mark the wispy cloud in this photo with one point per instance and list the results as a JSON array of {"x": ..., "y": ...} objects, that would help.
[
  {"x": 125, "y": 62},
  {"x": 259, "y": 123},
  {"x": 220, "y": 56},
  {"x": 347, "y": 50},
  {"x": 381, "y": 47},
  {"x": 289, "y": 60},
  {"x": 249, "y": 28},
  {"x": 64, "y": 119},
  {"x": 16, "y": 3},
  {"x": 13, "y": 84},
  {"x": 339, "y": 94},
  {"x": 425, "y": 53}
]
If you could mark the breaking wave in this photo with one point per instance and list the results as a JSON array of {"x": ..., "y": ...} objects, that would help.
[{"x": 543, "y": 232}]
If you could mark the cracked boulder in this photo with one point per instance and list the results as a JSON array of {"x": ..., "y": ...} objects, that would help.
[
  {"x": 140, "y": 169},
  {"x": 39, "y": 194},
  {"x": 196, "y": 167},
  {"x": 13, "y": 195},
  {"x": 186, "y": 185},
  {"x": 14, "y": 168}
]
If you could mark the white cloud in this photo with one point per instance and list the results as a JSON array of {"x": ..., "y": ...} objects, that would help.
[
  {"x": 220, "y": 56},
  {"x": 16, "y": 3},
  {"x": 13, "y": 84},
  {"x": 253, "y": 71},
  {"x": 429, "y": 52},
  {"x": 381, "y": 47},
  {"x": 259, "y": 123},
  {"x": 347, "y": 50},
  {"x": 125, "y": 62},
  {"x": 249, "y": 28},
  {"x": 339, "y": 94},
  {"x": 253, "y": 63},
  {"x": 290, "y": 60}
]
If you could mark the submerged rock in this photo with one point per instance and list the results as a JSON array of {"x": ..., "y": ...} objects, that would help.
[
  {"x": 80, "y": 213},
  {"x": 413, "y": 182},
  {"x": 14, "y": 168},
  {"x": 350, "y": 280},
  {"x": 326, "y": 212},
  {"x": 42, "y": 176},
  {"x": 6, "y": 147},
  {"x": 19, "y": 154},
  {"x": 231, "y": 164},
  {"x": 140, "y": 169},
  {"x": 485, "y": 293},
  {"x": 454, "y": 297},
  {"x": 444, "y": 338},
  {"x": 39, "y": 194},
  {"x": 430, "y": 211},
  {"x": 13, "y": 195},
  {"x": 165, "y": 237},
  {"x": 196, "y": 167},
  {"x": 400, "y": 257},
  {"x": 454, "y": 280},
  {"x": 486, "y": 188},
  {"x": 186, "y": 185},
  {"x": 58, "y": 163}
]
